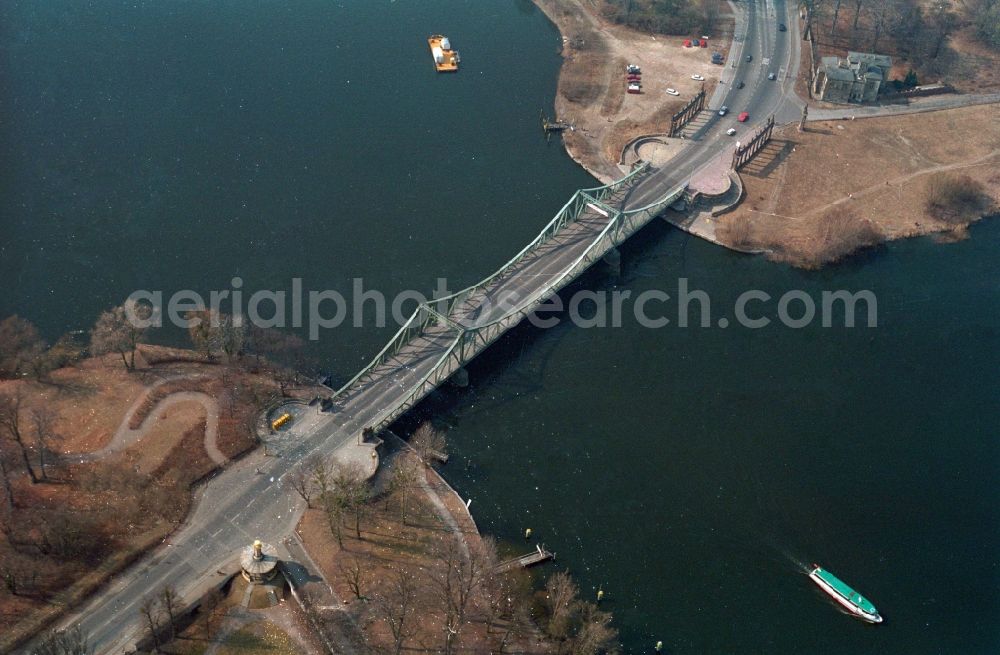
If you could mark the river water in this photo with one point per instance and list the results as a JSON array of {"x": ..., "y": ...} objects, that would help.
[{"x": 693, "y": 473}]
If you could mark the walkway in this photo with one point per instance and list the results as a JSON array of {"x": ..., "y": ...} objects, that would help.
[
  {"x": 915, "y": 105},
  {"x": 125, "y": 436}
]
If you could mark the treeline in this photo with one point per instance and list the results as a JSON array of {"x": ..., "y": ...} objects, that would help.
[
  {"x": 905, "y": 28},
  {"x": 665, "y": 16},
  {"x": 24, "y": 354}
]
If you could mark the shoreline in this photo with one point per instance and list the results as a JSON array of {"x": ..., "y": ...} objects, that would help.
[{"x": 798, "y": 239}]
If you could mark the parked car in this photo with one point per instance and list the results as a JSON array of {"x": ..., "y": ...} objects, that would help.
[
  {"x": 743, "y": 117},
  {"x": 772, "y": 76},
  {"x": 740, "y": 84},
  {"x": 749, "y": 57},
  {"x": 781, "y": 27},
  {"x": 673, "y": 92},
  {"x": 697, "y": 77},
  {"x": 632, "y": 69},
  {"x": 634, "y": 87},
  {"x": 731, "y": 131},
  {"x": 723, "y": 110}
]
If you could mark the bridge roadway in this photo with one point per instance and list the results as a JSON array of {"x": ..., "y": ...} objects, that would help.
[{"x": 240, "y": 505}]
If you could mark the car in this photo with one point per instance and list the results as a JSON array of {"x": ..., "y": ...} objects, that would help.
[
  {"x": 772, "y": 76},
  {"x": 723, "y": 110},
  {"x": 781, "y": 27},
  {"x": 749, "y": 57},
  {"x": 743, "y": 117},
  {"x": 740, "y": 84},
  {"x": 697, "y": 77},
  {"x": 731, "y": 131},
  {"x": 672, "y": 92}
]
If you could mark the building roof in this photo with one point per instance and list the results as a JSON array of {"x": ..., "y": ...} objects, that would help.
[
  {"x": 875, "y": 67},
  {"x": 882, "y": 61},
  {"x": 831, "y": 66}
]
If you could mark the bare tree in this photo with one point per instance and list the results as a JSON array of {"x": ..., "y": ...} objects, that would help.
[
  {"x": 171, "y": 603},
  {"x": 352, "y": 492},
  {"x": 944, "y": 21},
  {"x": 456, "y": 575},
  {"x": 321, "y": 478},
  {"x": 20, "y": 344},
  {"x": 396, "y": 606},
  {"x": 10, "y": 424},
  {"x": 561, "y": 598},
  {"x": 836, "y": 14},
  {"x": 301, "y": 481},
  {"x": 405, "y": 476},
  {"x": 206, "y": 611},
  {"x": 45, "y": 435},
  {"x": 64, "y": 642},
  {"x": 594, "y": 635},
  {"x": 883, "y": 15},
  {"x": 150, "y": 611},
  {"x": 354, "y": 575},
  {"x": 8, "y": 492},
  {"x": 497, "y": 586},
  {"x": 429, "y": 442},
  {"x": 857, "y": 13},
  {"x": 121, "y": 330}
]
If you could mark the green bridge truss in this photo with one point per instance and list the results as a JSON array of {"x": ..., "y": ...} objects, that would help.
[{"x": 441, "y": 323}]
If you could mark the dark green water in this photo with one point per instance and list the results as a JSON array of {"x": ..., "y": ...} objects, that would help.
[{"x": 690, "y": 472}]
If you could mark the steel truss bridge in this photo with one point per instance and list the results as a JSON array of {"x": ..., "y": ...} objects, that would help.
[{"x": 441, "y": 336}]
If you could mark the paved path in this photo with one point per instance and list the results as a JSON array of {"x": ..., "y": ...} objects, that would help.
[
  {"x": 916, "y": 105},
  {"x": 125, "y": 436}
]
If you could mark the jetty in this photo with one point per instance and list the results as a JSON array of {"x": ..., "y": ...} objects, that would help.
[
  {"x": 537, "y": 556},
  {"x": 554, "y": 125}
]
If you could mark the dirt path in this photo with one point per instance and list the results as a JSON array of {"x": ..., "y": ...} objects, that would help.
[
  {"x": 125, "y": 436},
  {"x": 940, "y": 168}
]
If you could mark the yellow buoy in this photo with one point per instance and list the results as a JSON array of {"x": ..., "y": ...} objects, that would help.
[
  {"x": 659, "y": 646},
  {"x": 600, "y": 595},
  {"x": 527, "y": 533}
]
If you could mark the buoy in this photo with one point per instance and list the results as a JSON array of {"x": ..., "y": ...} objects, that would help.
[
  {"x": 659, "y": 646},
  {"x": 527, "y": 533},
  {"x": 600, "y": 595}
]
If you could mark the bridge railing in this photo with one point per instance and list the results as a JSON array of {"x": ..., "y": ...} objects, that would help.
[
  {"x": 569, "y": 213},
  {"x": 429, "y": 313},
  {"x": 619, "y": 228}
]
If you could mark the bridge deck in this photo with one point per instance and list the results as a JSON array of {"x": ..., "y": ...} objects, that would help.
[{"x": 427, "y": 359}]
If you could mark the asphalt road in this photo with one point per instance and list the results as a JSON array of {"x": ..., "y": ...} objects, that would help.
[{"x": 240, "y": 505}]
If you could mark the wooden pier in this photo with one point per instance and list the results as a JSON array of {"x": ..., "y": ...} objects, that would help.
[
  {"x": 554, "y": 125},
  {"x": 537, "y": 556}
]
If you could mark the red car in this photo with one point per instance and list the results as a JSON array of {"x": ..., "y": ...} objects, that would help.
[{"x": 743, "y": 117}]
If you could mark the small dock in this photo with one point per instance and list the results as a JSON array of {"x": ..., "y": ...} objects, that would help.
[
  {"x": 537, "y": 556},
  {"x": 554, "y": 125}
]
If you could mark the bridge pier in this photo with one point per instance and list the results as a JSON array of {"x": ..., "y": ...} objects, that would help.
[
  {"x": 613, "y": 258},
  {"x": 460, "y": 378}
]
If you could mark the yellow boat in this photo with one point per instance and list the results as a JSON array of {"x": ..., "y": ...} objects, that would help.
[{"x": 445, "y": 59}]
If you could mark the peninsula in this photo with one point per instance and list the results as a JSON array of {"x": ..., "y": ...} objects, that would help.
[{"x": 827, "y": 183}]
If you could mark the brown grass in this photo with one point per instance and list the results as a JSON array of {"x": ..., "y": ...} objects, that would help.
[
  {"x": 845, "y": 183},
  {"x": 128, "y": 502},
  {"x": 387, "y": 546}
]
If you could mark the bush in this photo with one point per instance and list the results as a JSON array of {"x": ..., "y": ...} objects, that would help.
[
  {"x": 844, "y": 232},
  {"x": 956, "y": 199}
]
